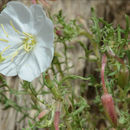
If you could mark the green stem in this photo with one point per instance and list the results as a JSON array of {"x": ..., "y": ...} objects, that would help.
[{"x": 95, "y": 45}]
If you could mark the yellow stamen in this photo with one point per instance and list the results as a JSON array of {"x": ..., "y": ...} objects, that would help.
[
  {"x": 27, "y": 34},
  {"x": 14, "y": 55},
  {"x": 11, "y": 23},
  {"x": 1, "y": 58},
  {"x": 3, "y": 40},
  {"x": 1, "y": 53},
  {"x": 5, "y": 49},
  {"x": 4, "y": 30},
  {"x": 29, "y": 43}
]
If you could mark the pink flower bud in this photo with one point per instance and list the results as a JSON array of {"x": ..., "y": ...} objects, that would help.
[
  {"x": 59, "y": 32},
  {"x": 109, "y": 108}
]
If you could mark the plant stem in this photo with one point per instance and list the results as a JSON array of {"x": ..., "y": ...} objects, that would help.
[{"x": 104, "y": 60}]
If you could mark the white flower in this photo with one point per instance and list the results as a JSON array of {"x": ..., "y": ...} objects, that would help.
[{"x": 26, "y": 41}]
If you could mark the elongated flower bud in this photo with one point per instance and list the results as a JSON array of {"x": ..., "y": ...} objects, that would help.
[
  {"x": 107, "y": 100},
  {"x": 108, "y": 105},
  {"x": 57, "y": 116},
  {"x": 56, "y": 120}
]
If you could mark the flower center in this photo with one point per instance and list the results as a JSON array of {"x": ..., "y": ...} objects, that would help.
[{"x": 28, "y": 42}]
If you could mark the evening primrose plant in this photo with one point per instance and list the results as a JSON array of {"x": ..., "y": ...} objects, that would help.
[{"x": 27, "y": 46}]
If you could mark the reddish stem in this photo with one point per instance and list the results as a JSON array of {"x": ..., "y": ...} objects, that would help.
[
  {"x": 116, "y": 57},
  {"x": 104, "y": 61},
  {"x": 120, "y": 60},
  {"x": 44, "y": 3}
]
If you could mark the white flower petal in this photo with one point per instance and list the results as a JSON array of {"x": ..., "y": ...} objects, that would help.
[
  {"x": 11, "y": 66},
  {"x": 29, "y": 69},
  {"x": 11, "y": 37},
  {"x": 6, "y": 21},
  {"x": 43, "y": 56},
  {"x": 43, "y": 26},
  {"x": 38, "y": 61},
  {"x": 7, "y": 67},
  {"x": 19, "y": 13}
]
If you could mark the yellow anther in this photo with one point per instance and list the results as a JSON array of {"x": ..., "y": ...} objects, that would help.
[
  {"x": 11, "y": 23},
  {"x": 3, "y": 40},
  {"x": 4, "y": 30}
]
